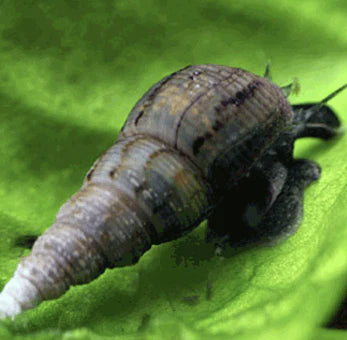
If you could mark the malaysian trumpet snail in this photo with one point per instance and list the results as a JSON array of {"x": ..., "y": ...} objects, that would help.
[{"x": 190, "y": 148}]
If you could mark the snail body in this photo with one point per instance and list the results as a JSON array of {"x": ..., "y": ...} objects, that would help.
[{"x": 192, "y": 137}]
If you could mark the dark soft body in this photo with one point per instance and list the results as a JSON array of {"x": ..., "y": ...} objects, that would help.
[{"x": 198, "y": 141}]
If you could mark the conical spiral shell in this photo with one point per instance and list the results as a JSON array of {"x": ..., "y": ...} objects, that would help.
[{"x": 188, "y": 136}]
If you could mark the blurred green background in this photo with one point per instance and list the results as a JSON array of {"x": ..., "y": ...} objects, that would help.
[{"x": 71, "y": 72}]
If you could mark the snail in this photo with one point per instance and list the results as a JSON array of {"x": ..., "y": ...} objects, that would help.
[{"x": 192, "y": 144}]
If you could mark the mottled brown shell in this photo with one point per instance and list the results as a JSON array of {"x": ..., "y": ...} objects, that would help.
[
  {"x": 191, "y": 133},
  {"x": 222, "y": 118}
]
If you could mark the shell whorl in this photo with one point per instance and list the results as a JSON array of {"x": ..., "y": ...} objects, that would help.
[
  {"x": 138, "y": 193},
  {"x": 218, "y": 116}
]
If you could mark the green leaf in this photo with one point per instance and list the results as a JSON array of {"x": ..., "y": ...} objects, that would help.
[{"x": 71, "y": 71}]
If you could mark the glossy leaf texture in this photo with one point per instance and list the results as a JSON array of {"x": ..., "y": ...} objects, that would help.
[{"x": 70, "y": 73}]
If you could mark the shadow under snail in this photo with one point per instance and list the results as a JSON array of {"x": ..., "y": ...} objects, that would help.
[{"x": 194, "y": 147}]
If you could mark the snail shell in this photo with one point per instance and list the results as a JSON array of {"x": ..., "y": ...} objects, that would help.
[{"x": 189, "y": 134}]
